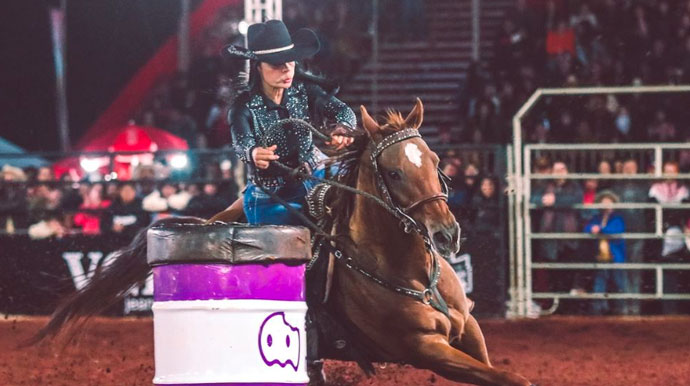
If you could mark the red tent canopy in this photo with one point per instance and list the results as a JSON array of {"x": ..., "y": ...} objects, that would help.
[
  {"x": 129, "y": 138},
  {"x": 136, "y": 138}
]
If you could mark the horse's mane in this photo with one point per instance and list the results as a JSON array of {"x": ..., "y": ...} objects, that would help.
[{"x": 343, "y": 204}]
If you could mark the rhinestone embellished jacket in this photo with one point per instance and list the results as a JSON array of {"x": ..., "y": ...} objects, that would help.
[{"x": 249, "y": 123}]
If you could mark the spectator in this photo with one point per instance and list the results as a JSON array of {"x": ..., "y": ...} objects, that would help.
[
  {"x": 623, "y": 125},
  {"x": 671, "y": 191},
  {"x": 486, "y": 212},
  {"x": 609, "y": 250},
  {"x": 589, "y": 194},
  {"x": 605, "y": 168},
  {"x": 156, "y": 202},
  {"x": 50, "y": 226},
  {"x": 125, "y": 216},
  {"x": 13, "y": 206},
  {"x": 42, "y": 200},
  {"x": 509, "y": 46},
  {"x": 560, "y": 40},
  {"x": 457, "y": 195},
  {"x": 556, "y": 198},
  {"x": 228, "y": 188},
  {"x": 208, "y": 203},
  {"x": 471, "y": 174},
  {"x": 584, "y": 16},
  {"x": 89, "y": 220},
  {"x": 661, "y": 130},
  {"x": 45, "y": 174},
  {"x": 633, "y": 191},
  {"x": 70, "y": 190}
]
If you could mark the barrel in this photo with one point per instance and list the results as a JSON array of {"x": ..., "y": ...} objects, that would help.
[{"x": 229, "y": 304}]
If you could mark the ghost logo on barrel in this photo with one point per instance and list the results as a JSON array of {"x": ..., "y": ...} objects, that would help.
[{"x": 279, "y": 342}]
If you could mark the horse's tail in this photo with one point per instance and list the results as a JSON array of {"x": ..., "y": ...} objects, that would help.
[{"x": 108, "y": 285}]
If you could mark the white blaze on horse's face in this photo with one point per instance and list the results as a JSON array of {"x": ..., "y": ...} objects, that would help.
[{"x": 413, "y": 154}]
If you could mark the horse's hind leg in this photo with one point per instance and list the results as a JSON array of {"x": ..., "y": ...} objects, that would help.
[
  {"x": 472, "y": 342},
  {"x": 434, "y": 353}
]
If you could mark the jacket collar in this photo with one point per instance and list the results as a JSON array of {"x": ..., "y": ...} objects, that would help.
[{"x": 260, "y": 100}]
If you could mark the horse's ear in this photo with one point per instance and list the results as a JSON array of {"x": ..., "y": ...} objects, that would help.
[
  {"x": 414, "y": 119},
  {"x": 368, "y": 122}
]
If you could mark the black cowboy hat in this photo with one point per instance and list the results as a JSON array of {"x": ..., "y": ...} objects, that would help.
[{"x": 271, "y": 42}]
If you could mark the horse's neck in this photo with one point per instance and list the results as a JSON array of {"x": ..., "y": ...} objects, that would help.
[{"x": 394, "y": 251}]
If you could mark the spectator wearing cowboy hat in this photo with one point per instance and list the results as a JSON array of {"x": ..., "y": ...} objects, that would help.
[
  {"x": 278, "y": 89},
  {"x": 607, "y": 222}
]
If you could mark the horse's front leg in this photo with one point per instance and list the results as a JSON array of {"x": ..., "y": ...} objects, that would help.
[
  {"x": 433, "y": 352},
  {"x": 472, "y": 341}
]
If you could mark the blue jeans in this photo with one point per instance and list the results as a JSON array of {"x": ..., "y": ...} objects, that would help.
[
  {"x": 601, "y": 285},
  {"x": 260, "y": 208}
]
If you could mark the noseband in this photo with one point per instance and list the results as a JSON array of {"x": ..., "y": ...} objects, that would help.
[{"x": 403, "y": 214}]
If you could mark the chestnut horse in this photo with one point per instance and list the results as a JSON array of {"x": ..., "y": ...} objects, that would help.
[{"x": 398, "y": 328}]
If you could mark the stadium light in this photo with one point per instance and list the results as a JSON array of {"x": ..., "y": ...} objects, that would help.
[
  {"x": 179, "y": 161},
  {"x": 243, "y": 26},
  {"x": 90, "y": 165}
]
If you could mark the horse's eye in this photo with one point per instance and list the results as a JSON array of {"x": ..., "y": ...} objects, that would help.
[{"x": 395, "y": 175}]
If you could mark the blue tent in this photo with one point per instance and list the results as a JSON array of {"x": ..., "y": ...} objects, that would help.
[{"x": 16, "y": 156}]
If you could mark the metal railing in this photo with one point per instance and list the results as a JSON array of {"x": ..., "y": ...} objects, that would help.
[
  {"x": 658, "y": 208},
  {"x": 520, "y": 254}
]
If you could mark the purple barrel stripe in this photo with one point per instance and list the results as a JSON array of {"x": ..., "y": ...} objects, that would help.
[{"x": 274, "y": 281}]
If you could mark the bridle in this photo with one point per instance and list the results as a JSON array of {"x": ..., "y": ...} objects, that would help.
[{"x": 403, "y": 213}]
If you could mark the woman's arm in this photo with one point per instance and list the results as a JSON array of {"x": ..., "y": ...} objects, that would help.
[
  {"x": 243, "y": 139},
  {"x": 330, "y": 107}
]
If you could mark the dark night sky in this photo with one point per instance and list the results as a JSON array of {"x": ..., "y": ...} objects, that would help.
[{"x": 107, "y": 41}]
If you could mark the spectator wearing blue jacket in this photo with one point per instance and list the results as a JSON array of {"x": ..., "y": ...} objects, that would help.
[{"x": 609, "y": 250}]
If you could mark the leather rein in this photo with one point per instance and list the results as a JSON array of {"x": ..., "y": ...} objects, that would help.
[{"x": 430, "y": 295}]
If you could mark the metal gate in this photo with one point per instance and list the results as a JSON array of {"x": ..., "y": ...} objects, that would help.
[{"x": 521, "y": 180}]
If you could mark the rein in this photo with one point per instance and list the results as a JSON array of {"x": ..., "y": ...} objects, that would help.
[{"x": 430, "y": 295}]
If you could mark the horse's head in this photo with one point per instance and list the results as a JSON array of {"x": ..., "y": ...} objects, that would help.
[{"x": 406, "y": 170}]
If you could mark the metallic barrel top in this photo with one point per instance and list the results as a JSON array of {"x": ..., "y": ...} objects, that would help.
[{"x": 231, "y": 243}]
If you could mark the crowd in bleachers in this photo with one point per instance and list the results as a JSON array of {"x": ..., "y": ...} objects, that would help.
[
  {"x": 34, "y": 202},
  {"x": 578, "y": 43}
]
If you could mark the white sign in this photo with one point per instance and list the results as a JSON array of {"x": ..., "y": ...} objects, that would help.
[{"x": 463, "y": 269}]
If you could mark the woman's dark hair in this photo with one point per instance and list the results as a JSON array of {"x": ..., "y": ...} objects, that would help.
[{"x": 245, "y": 89}]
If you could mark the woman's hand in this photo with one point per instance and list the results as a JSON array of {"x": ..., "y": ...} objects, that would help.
[
  {"x": 262, "y": 156},
  {"x": 338, "y": 139}
]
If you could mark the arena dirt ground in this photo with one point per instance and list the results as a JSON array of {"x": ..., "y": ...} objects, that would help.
[{"x": 551, "y": 351}]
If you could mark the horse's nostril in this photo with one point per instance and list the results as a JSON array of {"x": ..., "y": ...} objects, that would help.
[{"x": 441, "y": 238}]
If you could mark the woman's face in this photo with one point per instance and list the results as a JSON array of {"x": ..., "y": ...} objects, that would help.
[
  {"x": 604, "y": 167},
  {"x": 487, "y": 188},
  {"x": 277, "y": 75}
]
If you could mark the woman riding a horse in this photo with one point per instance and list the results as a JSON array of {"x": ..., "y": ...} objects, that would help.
[
  {"x": 278, "y": 89},
  {"x": 393, "y": 291}
]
